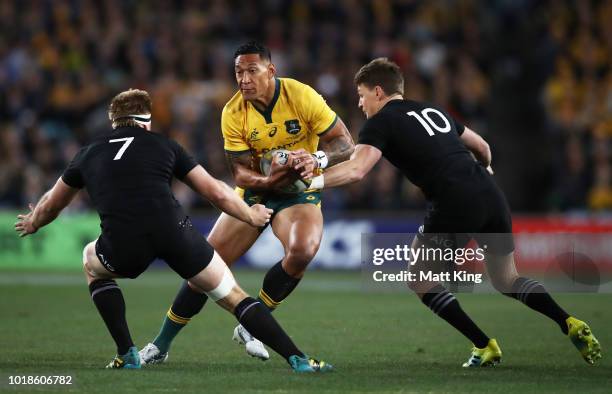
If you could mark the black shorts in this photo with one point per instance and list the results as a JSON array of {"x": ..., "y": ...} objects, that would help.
[
  {"x": 476, "y": 209},
  {"x": 129, "y": 253}
]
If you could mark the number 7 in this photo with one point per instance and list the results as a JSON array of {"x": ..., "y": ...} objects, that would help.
[{"x": 128, "y": 141}]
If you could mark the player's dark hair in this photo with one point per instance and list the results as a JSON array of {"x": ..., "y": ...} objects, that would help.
[
  {"x": 254, "y": 47},
  {"x": 129, "y": 102},
  {"x": 381, "y": 72}
]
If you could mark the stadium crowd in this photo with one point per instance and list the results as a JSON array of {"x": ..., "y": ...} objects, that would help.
[{"x": 62, "y": 61}]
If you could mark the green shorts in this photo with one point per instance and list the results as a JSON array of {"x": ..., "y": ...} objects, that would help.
[{"x": 278, "y": 202}]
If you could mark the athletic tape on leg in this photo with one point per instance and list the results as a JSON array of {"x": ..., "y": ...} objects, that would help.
[{"x": 224, "y": 288}]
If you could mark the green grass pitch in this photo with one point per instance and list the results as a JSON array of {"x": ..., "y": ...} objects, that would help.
[{"x": 378, "y": 342}]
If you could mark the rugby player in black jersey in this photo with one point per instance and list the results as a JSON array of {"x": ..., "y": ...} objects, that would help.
[
  {"x": 128, "y": 175},
  {"x": 434, "y": 152}
]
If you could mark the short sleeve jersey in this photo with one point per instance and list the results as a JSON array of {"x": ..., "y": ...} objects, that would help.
[
  {"x": 422, "y": 141},
  {"x": 128, "y": 174},
  {"x": 296, "y": 118}
]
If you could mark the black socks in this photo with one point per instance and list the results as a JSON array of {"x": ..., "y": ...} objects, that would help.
[
  {"x": 444, "y": 304},
  {"x": 258, "y": 321},
  {"x": 277, "y": 285},
  {"x": 108, "y": 298},
  {"x": 531, "y": 293}
]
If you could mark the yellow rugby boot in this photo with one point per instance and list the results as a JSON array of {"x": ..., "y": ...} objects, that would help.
[
  {"x": 488, "y": 356},
  {"x": 581, "y": 336}
]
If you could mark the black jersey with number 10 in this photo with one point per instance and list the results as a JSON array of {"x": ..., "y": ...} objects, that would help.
[
  {"x": 423, "y": 142},
  {"x": 128, "y": 175}
]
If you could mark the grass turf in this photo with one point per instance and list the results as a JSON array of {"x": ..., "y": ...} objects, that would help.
[{"x": 378, "y": 342}]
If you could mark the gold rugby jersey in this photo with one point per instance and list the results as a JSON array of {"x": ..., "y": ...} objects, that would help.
[{"x": 295, "y": 118}]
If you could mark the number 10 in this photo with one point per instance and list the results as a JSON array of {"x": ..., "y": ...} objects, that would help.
[{"x": 427, "y": 123}]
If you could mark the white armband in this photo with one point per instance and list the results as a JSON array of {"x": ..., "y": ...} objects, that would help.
[
  {"x": 321, "y": 159},
  {"x": 317, "y": 182}
]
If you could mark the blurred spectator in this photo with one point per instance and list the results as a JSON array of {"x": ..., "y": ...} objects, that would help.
[
  {"x": 61, "y": 61},
  {"x": 578, "y": 98}
]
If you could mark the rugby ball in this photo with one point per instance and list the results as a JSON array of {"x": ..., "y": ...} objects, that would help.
[{"x": 281, "y": 156}]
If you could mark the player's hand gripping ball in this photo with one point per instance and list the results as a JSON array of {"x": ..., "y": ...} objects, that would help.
[{"x": 280, "y": 160}]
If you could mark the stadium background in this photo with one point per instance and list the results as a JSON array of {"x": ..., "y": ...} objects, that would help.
[{"x": 533, "y": 77}]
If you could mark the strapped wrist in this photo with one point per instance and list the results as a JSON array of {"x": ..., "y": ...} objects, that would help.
[{"x": 317, "y": 182}]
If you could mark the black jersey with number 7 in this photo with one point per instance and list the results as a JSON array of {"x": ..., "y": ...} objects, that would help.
[{"x": 128, "y": 174}]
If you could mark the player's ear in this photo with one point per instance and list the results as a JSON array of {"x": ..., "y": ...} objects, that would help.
[
  {"x": 271, "y": 70},
  {"x": 379, "y": 92}
]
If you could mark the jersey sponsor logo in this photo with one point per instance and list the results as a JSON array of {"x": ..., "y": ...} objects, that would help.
[
  {"x": 186, "y": 222},
  {"x": 287, "y": 146},
  {"x": 254, "y": 136},
  {"x": 293, "y": 126},
  {"x": 272, "y": 131}
]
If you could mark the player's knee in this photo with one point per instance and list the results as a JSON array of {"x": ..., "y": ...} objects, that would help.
[
  {"x": 87, "y": 270},
  {"x": 301, "y": 253},
  {"x": 87, "y": 250},
  {"x": 195, "y": 288},
  {"x": 213, "y": 240},
  {"x": 297, "y": 260},
  {"x": 227, "y": 290},
  {"x": 87, "y": 265}
]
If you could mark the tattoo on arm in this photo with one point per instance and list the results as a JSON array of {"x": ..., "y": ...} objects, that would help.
[
  {"x": 241, "y": 165},
  {"x": 243, "y": 159},
  {"x": 339, "y": 148}
]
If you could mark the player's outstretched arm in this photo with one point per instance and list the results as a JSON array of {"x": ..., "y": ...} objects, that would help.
[
  {"x": 478, "y": 146},
  {"x": 335, "y": 146},
  {"x": 47, "y": 209},
  {"x": 224, "y": 198},
  {"x": 362, "y": 161}
]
